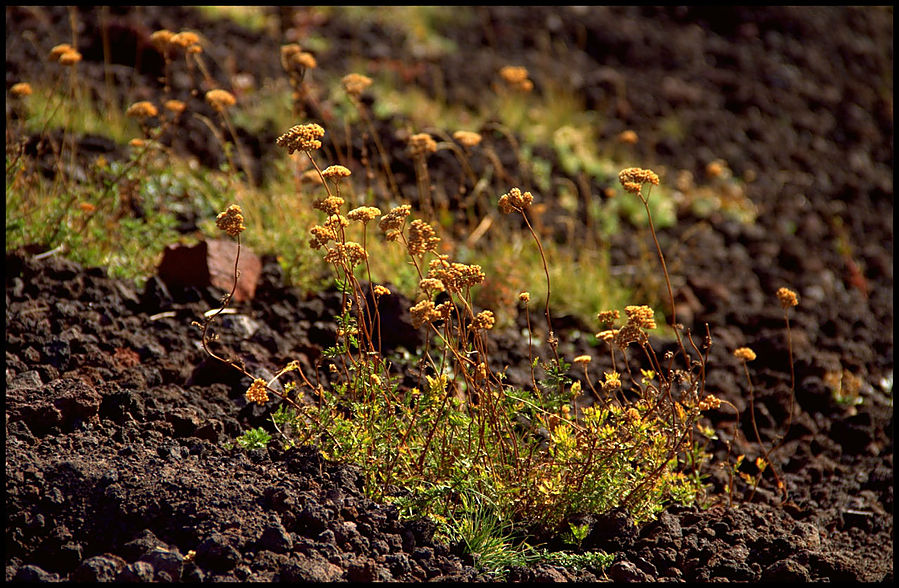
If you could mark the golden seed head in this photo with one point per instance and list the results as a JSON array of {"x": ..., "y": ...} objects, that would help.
[
  {"x": 630, "y": 333},
  {"x": 321, "y": 235},
  {"x": 184, "y": 39},
  {"x": 141, "y": 110},
  {"x": 231, "y": 221},
  {"x": 70, "y": 57},
  {"x": 633, "y": 178},
  {"x": 161, "y": 39},
  {"x": 431, "y": 285},
  {"x": 364, "y": 214},
  {"x": 305, "y": 60},
  {"x": 582, "y": 360},
  {"x": 484, "y": 320},
  {"x": 709, "y": 402},
  {"x": 787, "y": 297},
  {"x": 420, "y": 144},
  {"x": 350, "y": 253},
  {"x": 467, "y": 138},
  {"x": 137, "y": 143},
  {"x": 629, "y": 137},
  {"x": 524, "y": 297},
  {"x": 744, "y": 354},
  {"x": 607, "y": 335},
  {"x": 642, "y": 317},
  {"x": 329, "y": 205},
  {"x": 175, "y": 106},
  {"x": 333, "y": 172},
  {"x": 257, "y": 392},
  {"x": 58, "y": 50},
  {"x": 302, "y": 138},
  {"x": 20, "y": 89},
  {"x": 422, "y": 313},
  {"x": 220, "y": 100},
  {"x": 455, "y": 276},
  {"x": 381, "y": 290},
  {"x": 355, "y": 84},
  {"x": 391, "y": 224},
  {"x": 515, "y": 200},
  {"x": 607, "y": 318},
  {"x": 422, "y": 238}
]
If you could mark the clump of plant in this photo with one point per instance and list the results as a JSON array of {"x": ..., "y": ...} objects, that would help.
[{"x": 531, "y": 455}]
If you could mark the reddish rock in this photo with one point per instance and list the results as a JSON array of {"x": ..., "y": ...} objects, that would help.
[{"x": 211, "y": 263}]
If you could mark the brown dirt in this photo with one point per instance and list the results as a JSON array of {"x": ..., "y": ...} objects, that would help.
[{"x": 115, "y": 419}]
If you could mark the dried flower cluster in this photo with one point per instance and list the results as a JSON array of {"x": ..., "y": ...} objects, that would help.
[
  {"x": 20, "y": 89},
  {"x": 231, "y": 221},
  {"x": 349, "y": 253},
  {"x": 628, "y": 137},
  {"x": 514, "y": 201},
  {"x": 787, "y": 298},
  {"x": 220, "y": 100},
  {"x": 420, "y": 144},
  {"x": 456, "y": 277},
  {"x": 744, "y": 354},
  {"x": 142, "y": 110},
  {"x": 467, "y": 138},
  {"x": 65, "y": 54},
  {"x": 483, "y": 321},
  {"x": 633, "y": 178},
  {"x": 517, "y": 77},
  {"x": 335, "y": 172},
  {"x": 607, "y": 318},
  {"x": 422, "y": 238},
  {"x": 175, "y": 106},
  {"x": 364, "y": 214},
  {"x": 295, "y": 61},
  {"x": 302, "y": 138},
  {"x": 354, "y": 84},
  {"x": 257, "y": 392},
  {"x": 330, "y": 205},
  {"x": 392, "y": 223}
]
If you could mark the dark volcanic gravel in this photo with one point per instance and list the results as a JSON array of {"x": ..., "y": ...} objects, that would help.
[{"x": 116, "y": 421}]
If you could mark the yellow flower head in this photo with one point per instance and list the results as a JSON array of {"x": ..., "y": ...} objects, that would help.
[
  {"x": 515, "y": 200},
  {"x": 175, "y": 106},
  {"x": 484, "y": 320},
  {"x": 70, "y": 57},
  {"x": 58, "y": 50},
  {"x": 582, "y": 360}
]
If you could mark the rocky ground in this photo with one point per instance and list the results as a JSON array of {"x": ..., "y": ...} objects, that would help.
[{"x": 116, "y": 421}]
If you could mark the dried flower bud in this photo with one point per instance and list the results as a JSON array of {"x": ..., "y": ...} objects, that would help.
[
  {"x": 484, "y": 320},
  {"x": 330, "y": 205},
  {"x": 392, "y": 222},
  {"x": 582, "y": 360},
  {"x": 381, "y": 290},
  {"x": 422, "y": 238},
  {"x": 524, "y": 297},
  {"x": 161, "y": 39},
  {"x": 515, "y": 200},
  {"x": 58, "y": 50}
]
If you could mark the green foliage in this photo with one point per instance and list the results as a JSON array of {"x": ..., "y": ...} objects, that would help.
[{"x": 257, "y": 438}]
